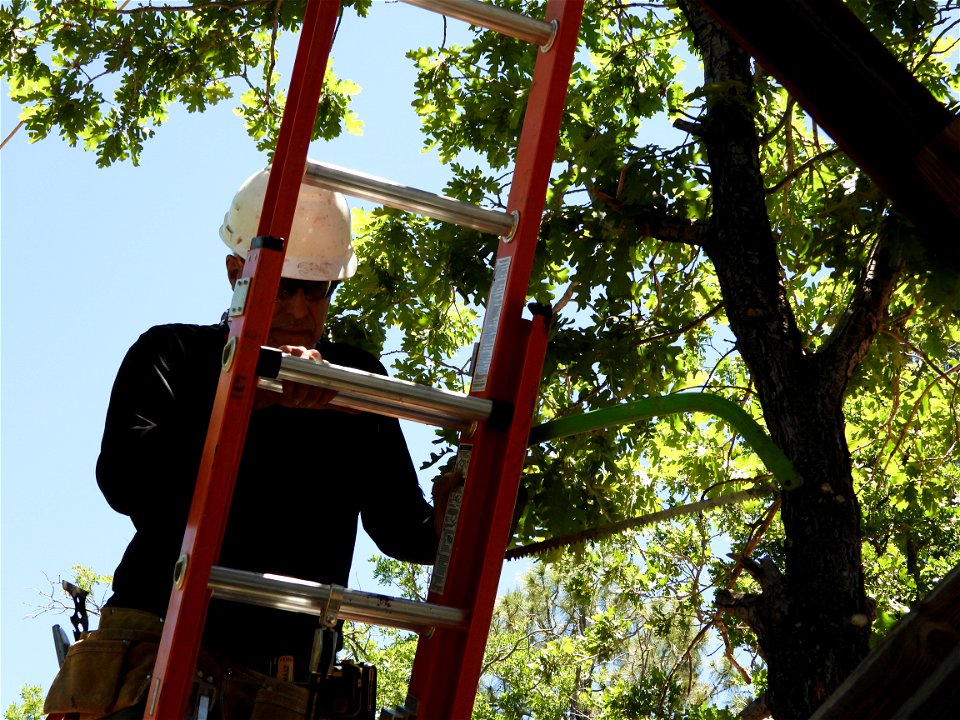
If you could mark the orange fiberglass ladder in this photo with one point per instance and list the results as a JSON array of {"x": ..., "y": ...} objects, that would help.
[{"x": 494, "y": 419}]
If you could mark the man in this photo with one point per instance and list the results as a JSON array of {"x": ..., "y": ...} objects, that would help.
[{"x": 308, "y": 471}]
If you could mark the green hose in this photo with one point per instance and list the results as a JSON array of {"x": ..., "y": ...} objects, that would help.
[{"x": 650, "y": 407}]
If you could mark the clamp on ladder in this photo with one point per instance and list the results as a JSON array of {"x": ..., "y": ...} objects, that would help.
[{"x": 494, "y": 432}]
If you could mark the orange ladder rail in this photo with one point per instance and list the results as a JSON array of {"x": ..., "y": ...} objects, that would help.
[{"x": 507, "y": 373}]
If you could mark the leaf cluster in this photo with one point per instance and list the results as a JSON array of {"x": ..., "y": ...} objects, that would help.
[
  {"x": 105, "y": 75},
  {"x": 30, "y": 707},
  {"x": 589, "y": 635}
]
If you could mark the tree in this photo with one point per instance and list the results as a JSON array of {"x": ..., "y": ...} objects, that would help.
[
  {"x": 583, "y": 637},
  {"x": 30, "y": 709},
  {"x": 750, "y": 259},
  {"x": 59, "y": 600},
  {"x": 586, "y": 636},
  {"x": 779, "y": 229}
]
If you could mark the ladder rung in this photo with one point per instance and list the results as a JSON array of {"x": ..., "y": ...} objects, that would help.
[
  {"x": 402, "y": 197},
  {"x": 330, "y": 602},
  {"x": 493, "y": 18},
  {"x": 352, "y": 401},
  {"x": 378, "y": 393}
]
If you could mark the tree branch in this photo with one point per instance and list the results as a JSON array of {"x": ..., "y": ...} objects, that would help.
[
  {"x": 728, "y": 649},
  {"x": 697, "y": 322},
  {"x": 756, "y": 710},
  {"x": 691, "y": 128},
  {"x": 11, "y": 134},
  {"x": 753, "y": 609},
  {"x": 924, "y": 358},
  {"x": 911, "y": 417},
  {"x": 849, "y": 343},
  {"x": 764, "y": 571},
  {"x": 653, "y": 221},
  {"x": 143, "y": 9},
  {"x": 567, "y": 296},
  {"x": 802, "y": 168},
  {"x": 649, "y": 519}
]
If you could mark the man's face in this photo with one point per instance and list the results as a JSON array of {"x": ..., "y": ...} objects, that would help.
[{"x": 299, "y": 312}]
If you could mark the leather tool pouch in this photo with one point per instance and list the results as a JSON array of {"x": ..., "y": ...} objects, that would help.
[
  {"x": 249, "y": 695},
  {"x": 107, "y": 669},
  {"x": 280, "y": 702}
]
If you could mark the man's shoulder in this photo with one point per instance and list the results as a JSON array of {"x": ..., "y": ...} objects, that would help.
[
  {"x": 183, "y": 337},
  {"x": 350, "y": 356}
]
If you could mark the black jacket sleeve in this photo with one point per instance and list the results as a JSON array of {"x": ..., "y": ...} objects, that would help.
[
  {"x": 392, "y": 508},
  {"x": 156, "y": 423},
  {"x": 395, "y": 514}
]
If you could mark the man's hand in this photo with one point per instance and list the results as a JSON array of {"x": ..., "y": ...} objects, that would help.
[
  {"x": 297, "y": 395},
  {"x": 442, "y": 487}
]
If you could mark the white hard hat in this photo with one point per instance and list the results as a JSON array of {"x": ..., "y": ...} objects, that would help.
[{"x": 319, "y": 246}]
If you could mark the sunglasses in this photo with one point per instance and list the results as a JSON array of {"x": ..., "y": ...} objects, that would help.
[{"x": 313, "y": 290}]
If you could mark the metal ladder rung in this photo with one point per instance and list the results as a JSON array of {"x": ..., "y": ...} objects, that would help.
[
  {"x": 378, "y": 393},
  {"x": 345, "y": 399},
  {"x": 330, "y": 602},
  {"x": 505, "y": 22},
  {"x": 402, "y": 197}
]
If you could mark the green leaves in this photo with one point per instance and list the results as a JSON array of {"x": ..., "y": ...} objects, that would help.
[
  {"x": 590, "y": 636},
  {"x": 641, "y": 311},
  {"x": 31, "y": 707},
  {"x": 638, "y": 307},
  {"x": 87, "y": 579},
  {"x": 104, "y": 74}
]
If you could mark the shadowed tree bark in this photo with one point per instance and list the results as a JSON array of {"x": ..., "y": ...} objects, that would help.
[{"x": 811, "y": 620}]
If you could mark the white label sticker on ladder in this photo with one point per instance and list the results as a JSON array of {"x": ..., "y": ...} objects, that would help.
[
  {"x": 445, "y": 547},
  {"x": 488, "y": 334}
]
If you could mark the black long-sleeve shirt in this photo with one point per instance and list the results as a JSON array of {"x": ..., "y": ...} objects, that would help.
[{"x": 304, "y": 479}]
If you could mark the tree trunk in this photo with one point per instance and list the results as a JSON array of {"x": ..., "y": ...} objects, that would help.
[{"x": 812, "y": 623}]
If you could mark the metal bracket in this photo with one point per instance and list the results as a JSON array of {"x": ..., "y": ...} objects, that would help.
[
  {"x": 229, "y": 351},
  {"x": 555, "y": 26},
  {"x": 331, "y": 609},
  {"x": 180, "y": 571},
  {"x": 515, "y": 214},
  {"x": 238, "y": 302}
]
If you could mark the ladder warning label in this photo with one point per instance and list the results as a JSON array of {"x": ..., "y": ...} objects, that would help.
[
  {"x": 445, "y": 549},
  {"x": 488, "y": 333}
]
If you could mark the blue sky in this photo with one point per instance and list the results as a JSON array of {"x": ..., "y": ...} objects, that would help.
[{"x": 90, "y": 258}]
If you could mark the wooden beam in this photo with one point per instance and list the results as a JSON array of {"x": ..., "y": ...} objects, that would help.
[
  {"x": 869, "y": 103},
  {"x": 914, "y": 671}
]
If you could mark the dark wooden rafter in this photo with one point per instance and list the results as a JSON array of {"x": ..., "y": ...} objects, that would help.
[
  {"x": 869, "y": 103},
  {"x": 914, "y": 672}
]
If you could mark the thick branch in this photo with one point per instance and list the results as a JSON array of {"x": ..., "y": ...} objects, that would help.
[
  {"x": 756, "y": 710},
  {"x": 692, "y": 128},
  {"x": 850, "y": 341},
  {"x": 653, "y": 221},
  {"x": 740, "y": 241},
  {"x": 759, "y": 611},
  {"x": 764, "y": 571}
]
